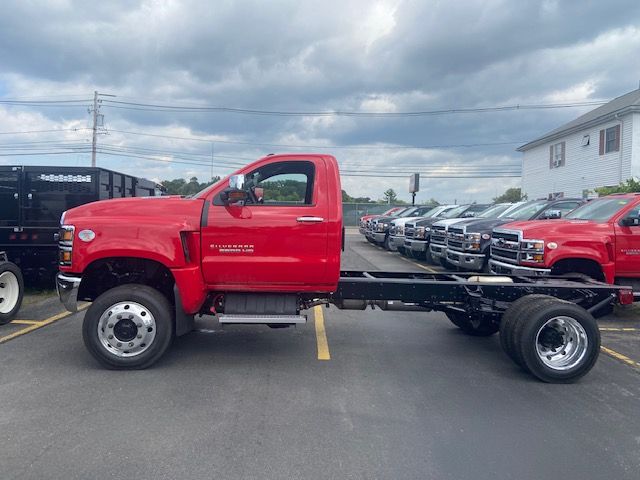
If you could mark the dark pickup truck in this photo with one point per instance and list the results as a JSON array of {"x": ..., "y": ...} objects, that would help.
[
  {"x": 469, "y": 241},
  {"x": 418, "y": 233}
]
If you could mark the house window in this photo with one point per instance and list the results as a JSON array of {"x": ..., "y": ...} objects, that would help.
[
  {"x": 610, "y": 140},
  {"x": 556, "y": 155}
]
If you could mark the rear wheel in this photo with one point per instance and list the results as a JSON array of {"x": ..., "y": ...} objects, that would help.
[
  {"x": 558, "y": 342},
  {"x": 521, "y": 308},
  {"x": 11, "y": 291},
  {"x": 474, "y": 325},
  {"x": 128, "y": 327}
]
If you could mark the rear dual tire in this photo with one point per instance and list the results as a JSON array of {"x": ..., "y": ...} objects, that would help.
[{"x": 554, "y": 340}]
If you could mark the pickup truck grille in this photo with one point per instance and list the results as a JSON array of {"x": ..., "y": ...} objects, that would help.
[
  {"x": 439, "y": 235},
  {"x": 505, "y": 246},
  {"x": 455, "y": 238},
  {"x": 410, "y": 230}
]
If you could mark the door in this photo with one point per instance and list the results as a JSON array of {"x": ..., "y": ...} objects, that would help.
[
  {"x": 628, "y": 247},
  {"x": 278, "y": 238},
  {"x": 9, "y": 198}
]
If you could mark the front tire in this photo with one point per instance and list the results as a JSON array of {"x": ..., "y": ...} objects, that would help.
[
  {"x": 128, "y": 327},
  {"x": 11, "y": 291}
]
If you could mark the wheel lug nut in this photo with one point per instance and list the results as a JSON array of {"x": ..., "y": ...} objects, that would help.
[
  {"x": 130, "y": 317},
  {"x": 110, "y": 337},
  {"x": 119, "y": 317},
  {"x": 139, "y": 325},
  {"x": 131, "y": 344},
  {"x": 110, "y": 325},
  {"x": 139, "y": 336},
  {"x": 118, "y": 344}
]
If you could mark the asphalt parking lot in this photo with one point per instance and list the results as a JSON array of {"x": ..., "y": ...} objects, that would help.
[{"x": 350, "y": 394}]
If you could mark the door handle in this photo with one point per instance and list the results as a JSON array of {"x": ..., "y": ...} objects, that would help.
[{"x": 309, "y": 219}]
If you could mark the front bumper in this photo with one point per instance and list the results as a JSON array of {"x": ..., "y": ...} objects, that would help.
[
  {"x": 438, "y": 251},
  {"x": 378, "y": 237},
  {"x": 362, "y": 230},
  {"x": 67, "y": 287},
  {"x": 502, "y": 268},
  {"x": 396, "y": 241},
  {"x": 466, "y": 261},
  {"x": 416, "y": 245}
]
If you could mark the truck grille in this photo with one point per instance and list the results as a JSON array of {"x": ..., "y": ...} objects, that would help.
[
  {"x": 439, "y": 235},
  {"x": 455, "y": 238},
  {"x": 410, "y": 230},
  {"x": 505, "y": 245}
]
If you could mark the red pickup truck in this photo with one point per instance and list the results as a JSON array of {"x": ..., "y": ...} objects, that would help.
[
  {"x": 600, "y": 239},
  {"x": 264, "y": 245}
]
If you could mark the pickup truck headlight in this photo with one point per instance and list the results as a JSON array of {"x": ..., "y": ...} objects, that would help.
[
  {"x": 419, "y": 232},
  {"x": 472, "y": 237},
  {"x": 382, "y": 227},
  {"x": 532, "y": 245},
  {"x": 65, "y": 244},
  {"x": 533, "y": 257}
]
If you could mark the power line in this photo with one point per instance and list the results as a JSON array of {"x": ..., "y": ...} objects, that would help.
[
  {"x": 45, "y": 131},
  {"x": 339, "y": 113},
  {"x": 325, "y": 147}
]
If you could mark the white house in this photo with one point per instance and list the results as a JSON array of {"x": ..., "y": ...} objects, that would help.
[{"x": 600, "y": 148}]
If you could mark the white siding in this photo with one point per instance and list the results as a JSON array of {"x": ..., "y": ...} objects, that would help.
[
  {"x": 584, "y": 167},
  {"x": 635, "y": 148}
]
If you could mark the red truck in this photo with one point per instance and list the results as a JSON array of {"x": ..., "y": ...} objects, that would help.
[
  {"x": 600, "y": 239},
  {"x": 239, "y": 251}
]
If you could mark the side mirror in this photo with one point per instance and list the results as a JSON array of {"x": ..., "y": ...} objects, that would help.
[
  {"x": 235, "y": 195},
  {"x": 630, "y": 221},
  {"x": 552, "y": 214}
]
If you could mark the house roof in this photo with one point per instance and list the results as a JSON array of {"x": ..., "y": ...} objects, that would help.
[{"x": 629, "y": 102}]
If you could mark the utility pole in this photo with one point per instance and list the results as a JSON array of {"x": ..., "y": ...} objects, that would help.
[
  {"x": 98, "y": 121},
  {"x": 95, "y": 128}
]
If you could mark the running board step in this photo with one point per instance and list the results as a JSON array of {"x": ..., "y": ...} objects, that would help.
[{"x": 263, "y": 319}]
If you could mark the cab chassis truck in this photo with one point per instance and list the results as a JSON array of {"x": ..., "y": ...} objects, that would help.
[{"x": 150, "y": 265}]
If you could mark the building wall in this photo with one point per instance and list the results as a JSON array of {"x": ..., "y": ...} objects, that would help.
[
  {"x": 584, "y": 167},
  {"x": 635, "y": 149}
]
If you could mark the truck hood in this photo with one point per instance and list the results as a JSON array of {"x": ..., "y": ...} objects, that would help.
[
  {"x": 403, "y": 220},
  {"x": 482, "y": 225},
  {"x": 175, "y": 210},
  {"x": 559, "y": 229},
  {"x": 448, "y": 221}
]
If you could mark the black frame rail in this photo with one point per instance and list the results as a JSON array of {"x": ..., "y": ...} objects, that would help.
[{"x": 473, "y": 293}]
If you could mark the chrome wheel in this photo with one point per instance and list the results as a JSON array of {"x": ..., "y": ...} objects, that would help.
[
  {"x": 561, "y": 343},
  {"x": 9, "y": 291},
  {"x": 126, "y": 329}
]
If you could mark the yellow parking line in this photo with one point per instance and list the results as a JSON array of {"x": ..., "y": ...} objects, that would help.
[
  {"x": 321, "y": 334},
  {"x": 618, "y": 329},
  {"x": 38, "y": 325},
  {"x": 25, "y": 322},
  {"x": 428, "y": 269},
  {"x": 619, "y": 356}
]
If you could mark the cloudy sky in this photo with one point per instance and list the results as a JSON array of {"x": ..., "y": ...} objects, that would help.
[{"x": 331, "y": 63}]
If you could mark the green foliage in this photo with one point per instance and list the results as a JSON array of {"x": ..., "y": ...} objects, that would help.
[
  {"x": 511, "y": 195},
  {"x": 631, "y": 185},
  {"x": 283, "y": 191},
  {"x": 180, "y": 186},
  {"x": 390, "y": 196},
  {"x": 346, "y": 198}
]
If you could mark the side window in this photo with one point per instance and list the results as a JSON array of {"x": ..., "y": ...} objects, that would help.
[{"x": 279, "y": 184}]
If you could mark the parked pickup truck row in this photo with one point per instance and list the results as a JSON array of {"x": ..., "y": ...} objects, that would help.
[{"x": 599, "y": 238}]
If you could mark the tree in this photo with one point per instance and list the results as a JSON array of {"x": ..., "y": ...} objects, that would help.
[
  {"x": 390, "y": 196},
  {"x": 631, "y": 185},
  {"x": 512, "y": 195},
  {"x": 180, "y": 186},
  {"x": 433, "y": 201}
]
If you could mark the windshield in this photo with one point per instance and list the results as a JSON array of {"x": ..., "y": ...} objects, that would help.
[
  {"x": 432, "y": 212},
  {"x": 528, "y": 210},
  {"x": 599, "y": 210},
  {"x": 456, "y": 212},
  {"x": 408, "y": 212},
  {"x": 494, "y": 211}
]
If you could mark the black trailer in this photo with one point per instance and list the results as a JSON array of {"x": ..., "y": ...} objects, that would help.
[
  {"x": 547, "y": 324},
  {"x": 33, "y": 198}
]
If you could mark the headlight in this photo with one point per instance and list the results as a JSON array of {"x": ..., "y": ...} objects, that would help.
[
  {"x": 65, "y": 244},
  {"x": 472, "y": 237},
  {"x": 532, "y": 245},
  {"x": 533, "y": 257},
  {"x": 419, "y": 233}
]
